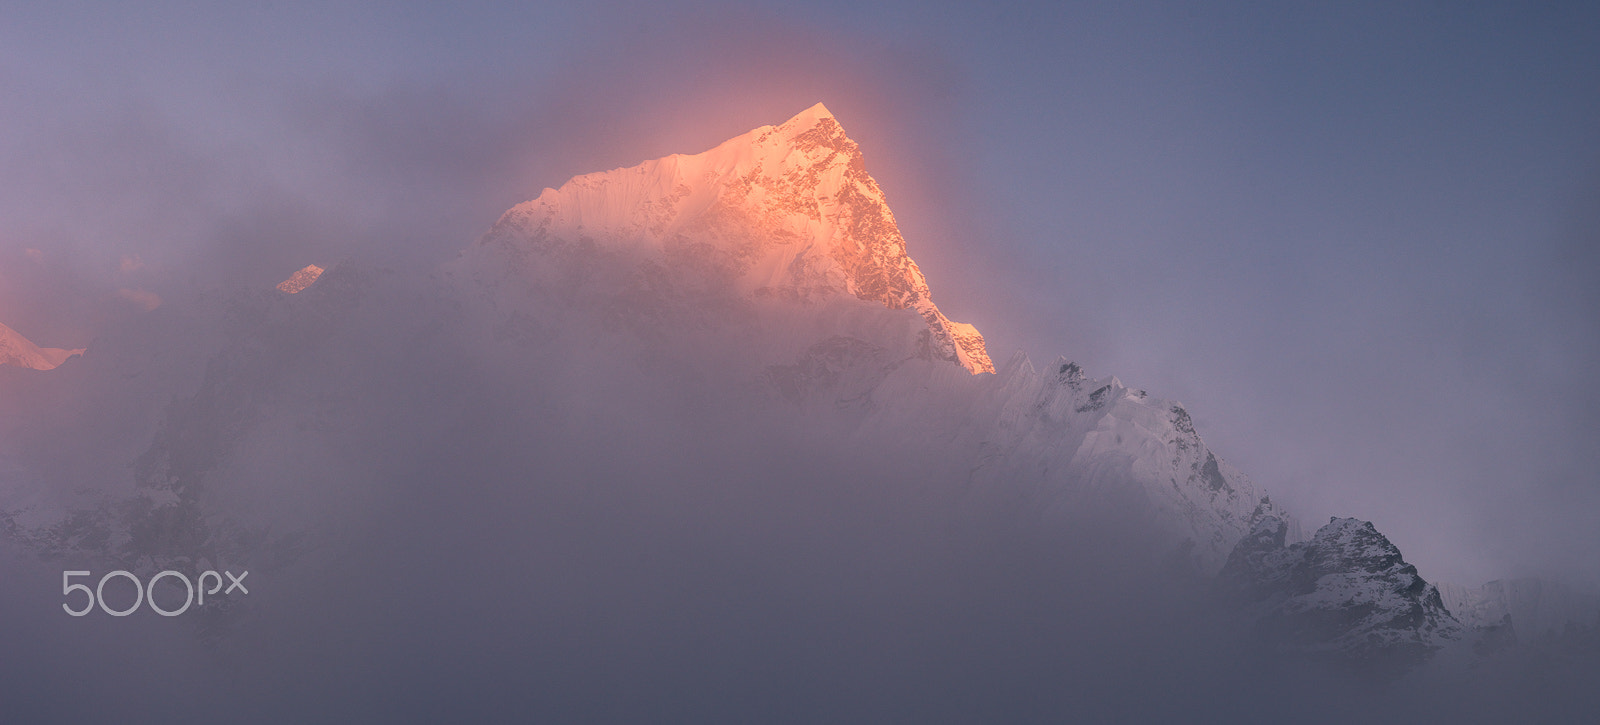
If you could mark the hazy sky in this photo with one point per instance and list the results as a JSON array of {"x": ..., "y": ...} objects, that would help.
[{"x": 1359, "y": 241}]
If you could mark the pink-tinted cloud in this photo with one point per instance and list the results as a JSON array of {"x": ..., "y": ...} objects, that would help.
[{"x": 144, "y": 299}]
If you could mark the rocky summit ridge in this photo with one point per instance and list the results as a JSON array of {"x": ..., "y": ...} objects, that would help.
[{"x": 1347, "y": 592}]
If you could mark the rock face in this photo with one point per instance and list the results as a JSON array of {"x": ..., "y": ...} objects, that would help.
[
  {"x": 782, "y": 212},
  {"x": 1347, "y": 592},
  {"x": 19, "y": 351}
]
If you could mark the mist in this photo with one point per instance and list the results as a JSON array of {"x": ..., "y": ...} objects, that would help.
[
  {"x": 1325, "y": 230},
  {"x": 1359, "y": 244},
  {"x": 538, "y": 527}
]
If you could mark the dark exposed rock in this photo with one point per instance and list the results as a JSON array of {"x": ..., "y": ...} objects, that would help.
[{"x": 1347, "y": 594}]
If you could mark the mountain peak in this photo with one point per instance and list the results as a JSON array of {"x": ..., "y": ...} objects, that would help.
[
  {"x": 809, "y": 117},
  {"x": 1346, "y": 592},
  {"x": 787, "y": 212}
]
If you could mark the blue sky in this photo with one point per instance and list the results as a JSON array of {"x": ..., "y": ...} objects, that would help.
[{"x": 1358, "y": 240}]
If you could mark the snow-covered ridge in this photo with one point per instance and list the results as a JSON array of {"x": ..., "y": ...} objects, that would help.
[
  {"x": 1535, "y": 606},
  {"x": 783, "y": 212},
  {"x": 1077, "y": 444},
  {"x": 19, "y": 351}
]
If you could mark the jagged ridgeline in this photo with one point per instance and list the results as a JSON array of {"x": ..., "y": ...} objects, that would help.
[{"x": 779, "y": 244}]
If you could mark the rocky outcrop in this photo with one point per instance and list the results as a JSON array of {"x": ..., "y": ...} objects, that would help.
[
  {"x": 299, "y": 281},
  {"x": 1345, "y": 593}
]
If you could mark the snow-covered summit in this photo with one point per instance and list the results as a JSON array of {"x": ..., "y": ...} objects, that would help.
[{"x": 783, "y": 212}]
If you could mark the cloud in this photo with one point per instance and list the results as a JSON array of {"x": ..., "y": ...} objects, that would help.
[{"x": 144, "y": 299}]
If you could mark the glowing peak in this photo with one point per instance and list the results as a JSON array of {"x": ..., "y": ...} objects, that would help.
[
  {"x": 791, "y": 207},
  {"x": 808, "y": 117}
]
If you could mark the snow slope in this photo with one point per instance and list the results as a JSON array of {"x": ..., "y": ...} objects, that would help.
[{"x": 19, "y": 351}]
